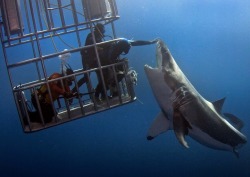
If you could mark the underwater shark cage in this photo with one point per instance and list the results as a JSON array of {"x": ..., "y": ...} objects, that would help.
[{"x": 40, "y": 37}]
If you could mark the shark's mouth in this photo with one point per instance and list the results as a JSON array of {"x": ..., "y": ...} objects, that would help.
[{"x": 148, "y": 67}]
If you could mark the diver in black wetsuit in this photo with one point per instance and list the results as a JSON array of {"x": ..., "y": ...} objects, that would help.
[
  {"x": 111, "y": 55},
  {"x": 89, "y": 58},
  {"x": 108, "y": 54}
]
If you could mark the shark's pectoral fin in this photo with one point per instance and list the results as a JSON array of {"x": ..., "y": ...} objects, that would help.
[
  {"x": 159, "y": 125},
  {"x": 237, "y": 123},
  {"x": 180, "y": 126}
]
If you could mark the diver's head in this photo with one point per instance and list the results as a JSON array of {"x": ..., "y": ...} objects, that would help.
[
  {"x": 99, "y": 28},
  {"x": 67, "y": 72},
  {"x": 124, "y": 45}
]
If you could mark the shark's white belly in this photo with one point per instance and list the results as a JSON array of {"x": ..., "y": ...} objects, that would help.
[{"x": 161, "y": 91}]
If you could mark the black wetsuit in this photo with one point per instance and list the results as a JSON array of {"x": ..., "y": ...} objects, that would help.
[
  {"x": 89, "y": 61},
  {"x": 46, "y": 108},
  {"x": 109, "y": 55}
]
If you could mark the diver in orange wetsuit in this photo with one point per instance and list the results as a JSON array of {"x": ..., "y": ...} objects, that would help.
[{"x": 46, "y": 104}]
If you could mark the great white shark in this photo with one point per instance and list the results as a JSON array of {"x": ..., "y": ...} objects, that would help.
[{"x": 185, "y": 111}]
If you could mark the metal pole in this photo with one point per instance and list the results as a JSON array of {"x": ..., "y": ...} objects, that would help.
[
  {"x": 61, "y": 13},
  {"x": 75, "y": 21}
]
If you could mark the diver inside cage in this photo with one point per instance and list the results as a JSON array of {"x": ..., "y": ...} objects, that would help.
[
  {"x": 41, "y": 96},
  {"x": 111, "y": 56},
  {"x": 89, "y": 58},
  {"x": 108, "y": 54}
]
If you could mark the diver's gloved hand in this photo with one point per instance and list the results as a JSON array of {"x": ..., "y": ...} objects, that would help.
[
  {"x": 70, "y": 96},
  {"x": 67, "y": 95},
  {"x": 75, "y": 94}
]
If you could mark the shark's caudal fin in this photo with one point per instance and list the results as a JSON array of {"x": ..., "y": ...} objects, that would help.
[
  {"x": 160, "y": 125},
  {"x": 237, "y": 123}
]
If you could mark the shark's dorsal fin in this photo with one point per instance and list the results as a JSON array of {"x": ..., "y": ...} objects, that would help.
[
  {"x": 180, "y": 126},
  {"x": 237, "y": 123},
  {"x": 159, "y": 125},
  {"x": 218, "y": 104}
]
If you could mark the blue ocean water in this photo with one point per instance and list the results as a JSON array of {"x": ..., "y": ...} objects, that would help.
[{"x": 209, "y": 40}]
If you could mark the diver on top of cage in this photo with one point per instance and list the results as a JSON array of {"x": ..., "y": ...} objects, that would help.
[{"x": 41, "y": 96}]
